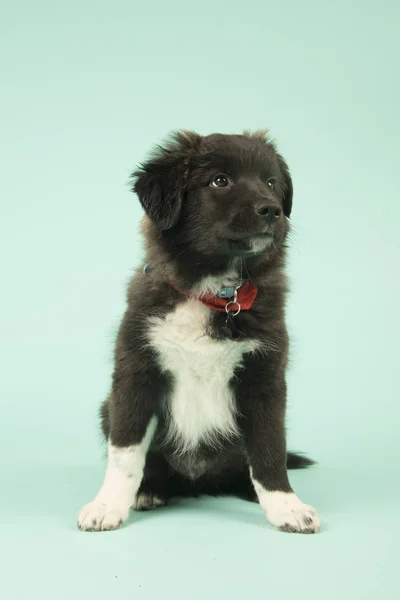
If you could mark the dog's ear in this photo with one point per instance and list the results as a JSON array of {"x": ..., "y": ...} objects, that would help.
[
  {"x": 287, "y": 200},
  {"x": 159, "y": 184},
  {"x": 161, "y": 181}
]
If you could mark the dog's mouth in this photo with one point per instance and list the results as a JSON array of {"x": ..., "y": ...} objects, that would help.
[{"x": 251, "y": 244}]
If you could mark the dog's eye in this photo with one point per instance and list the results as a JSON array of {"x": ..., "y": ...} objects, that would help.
[
  {"x": 271, "y": 183},
  {"x": 220, "y": 181}
]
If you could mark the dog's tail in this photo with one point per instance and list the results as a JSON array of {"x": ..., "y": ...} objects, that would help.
[{"x": 296, "y": 460}]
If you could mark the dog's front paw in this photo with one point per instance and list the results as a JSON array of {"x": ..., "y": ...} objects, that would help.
[
  {"x": 97, "y": 516},
  {"x": 288, "y": 513}
]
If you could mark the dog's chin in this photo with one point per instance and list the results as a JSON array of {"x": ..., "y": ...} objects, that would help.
[{"x": 251, "y": 245}]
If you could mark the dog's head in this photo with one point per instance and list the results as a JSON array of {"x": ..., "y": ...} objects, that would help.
[{"x": 228, "y": 195}]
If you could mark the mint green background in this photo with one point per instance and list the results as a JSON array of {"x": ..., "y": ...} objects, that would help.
[{"x": 86, "y": 89}]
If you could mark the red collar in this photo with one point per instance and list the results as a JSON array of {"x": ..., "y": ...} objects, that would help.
[{"x": 246, "y": 294}]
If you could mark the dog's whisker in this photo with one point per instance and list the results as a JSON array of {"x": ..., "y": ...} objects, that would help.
[{"x": 297, "y": 236}]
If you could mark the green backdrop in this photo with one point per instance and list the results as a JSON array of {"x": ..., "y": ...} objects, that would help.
[{"x": 86, "y": 89}]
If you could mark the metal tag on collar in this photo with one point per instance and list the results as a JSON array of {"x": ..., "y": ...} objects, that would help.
[
  {"x": 233, "y": 307},
  {"x": 226, "y": 293}
]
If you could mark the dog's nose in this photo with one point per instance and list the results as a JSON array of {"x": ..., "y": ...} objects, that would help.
[{"x": 270, "y": 212}]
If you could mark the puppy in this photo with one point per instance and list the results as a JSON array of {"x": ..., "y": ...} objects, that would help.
[{"x": 198, "y": 396}]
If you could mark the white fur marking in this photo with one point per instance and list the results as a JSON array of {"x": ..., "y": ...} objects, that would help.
[
  {"x": 286, "y": 511},
  {"x": 261, "y": 243},
  {"x": 123, "y": 477},
  {"x": 202, "y": 406}
]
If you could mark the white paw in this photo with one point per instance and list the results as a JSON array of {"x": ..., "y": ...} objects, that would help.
[
  {"x": 148, "y": 501},
  {"x": 97, "y": 516},
  {"x": 288, "y": 513}
]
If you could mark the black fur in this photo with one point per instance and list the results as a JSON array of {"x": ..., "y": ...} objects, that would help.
[{"x": 192, "y": 231}]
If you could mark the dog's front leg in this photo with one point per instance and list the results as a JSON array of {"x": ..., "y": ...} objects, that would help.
[
  {"x": 262, "y": 400},
  {"x": 132, "y": 425}
]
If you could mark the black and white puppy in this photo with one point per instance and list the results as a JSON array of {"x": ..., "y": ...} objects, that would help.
[{"x": 198, "y": 393}]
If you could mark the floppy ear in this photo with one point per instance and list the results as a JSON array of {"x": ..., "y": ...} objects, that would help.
[
  {"x": 160, "y": 182},
  {"x": 287, "y": 187},
  {"x": 159, "y": 185}
]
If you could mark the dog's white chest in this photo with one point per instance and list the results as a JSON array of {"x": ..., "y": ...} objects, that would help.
[{"x": 202, "y": 405}]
